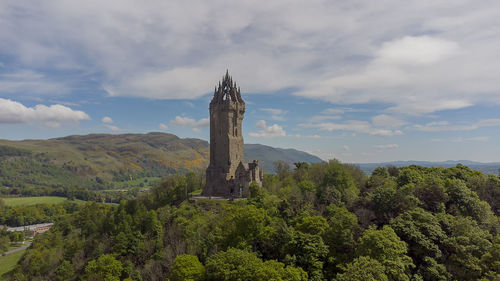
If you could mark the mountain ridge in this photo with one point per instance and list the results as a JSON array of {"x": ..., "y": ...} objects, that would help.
[
  {"x": 485, "y": 167},
  {"x": 116, "y": 157}
]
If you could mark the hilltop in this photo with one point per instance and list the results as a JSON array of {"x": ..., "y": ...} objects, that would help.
[{"x": 105, "y": 158}]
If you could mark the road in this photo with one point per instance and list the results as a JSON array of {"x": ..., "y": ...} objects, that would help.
[{"x": 17, "y": 249}]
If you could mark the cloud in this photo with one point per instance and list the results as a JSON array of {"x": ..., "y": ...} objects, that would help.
[
  {"x": 261, "y": 124},
  {"x": 414, "y": 58},
  {"x": 333, "y": 111},
  {"x": 384, "y": 120},
  {"x": 386, "y": 146},
  {"x": 385, "y": 133},
  {"x": 460, "y": 139},
  {"x": 346, "y": 148},
  {"x": 353, "y": 126},
  {"x": 440, "y": 126},
  {"x": 107, "y": 120},
  {"x": 189, "y": 122},
  {"x": 267, "y": 131},
  {"x": 29, "y": 83},
  {"x": 276, "y": 114},
  {"x": 162, "y": 126},
  {"x": 416, "y": 50},
  {"x": 12, "y": 112},
  {"x": 319, "y": 118},
  {"x": 113, "y": 128}
]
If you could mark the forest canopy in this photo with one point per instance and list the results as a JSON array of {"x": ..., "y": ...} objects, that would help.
[{"x": 325, "y": 221}]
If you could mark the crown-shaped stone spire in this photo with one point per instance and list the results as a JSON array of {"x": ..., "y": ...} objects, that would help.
[{"x": 227, "y": 90}]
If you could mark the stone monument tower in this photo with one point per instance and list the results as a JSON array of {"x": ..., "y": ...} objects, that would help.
[{"x": 228, "y": 175}]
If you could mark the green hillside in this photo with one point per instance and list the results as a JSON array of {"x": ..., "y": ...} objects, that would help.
[
  {"x": 268, "y": 155},
  {"x": 103, "y": 161}
]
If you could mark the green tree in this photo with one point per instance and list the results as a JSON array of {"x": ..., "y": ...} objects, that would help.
[
  {"x": 337, "y": 185},
  {"x": 187, "y": 268},
  {"x": 423, "y": 233},
  {"x": 385, "y": 246},
  {"x": 240, "y": 265},
  {"x": 362, "y": 268},
  {"x": 65, "y": 271},
  {"x": 463, "y": 248},
  {"x": 308, "y": 252},
  {"x": 105, "y": 268},
  {"x": 4, "y": 244},
  {"x": 312, "y": 225},
  {"x": 490, "y": 261}
]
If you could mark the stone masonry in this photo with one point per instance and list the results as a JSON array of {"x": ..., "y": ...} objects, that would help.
[{"x": 228, "y": 175}]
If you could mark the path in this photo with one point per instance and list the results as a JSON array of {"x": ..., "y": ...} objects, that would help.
[{"x": 22, "y": 248}]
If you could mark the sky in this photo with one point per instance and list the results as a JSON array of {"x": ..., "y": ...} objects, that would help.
[{"x": 359, "y": 81}]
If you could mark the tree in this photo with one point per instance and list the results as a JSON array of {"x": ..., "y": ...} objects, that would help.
[
  {"x": 105, "y": 268},
  {"x": 308, "y": 252},
  {"x": 312, "y": 225},
  {"x": 282, "y": 169},
  {"x": 4, "y": 244},
  {"x": 240, "y": 265},
  {"x": 385, "y": 246},
  {"x": 187, "y": 267},
  {"x": 339, "y": 237},
  {"x": 463, "y": 248},
  {"x": 65, "y": 271},
  {"x": 337, "y": 185},
  {"x": 422, "y": 231},
  {"x": 362, "y": 268},
  {"x": 490, "y": 261}
]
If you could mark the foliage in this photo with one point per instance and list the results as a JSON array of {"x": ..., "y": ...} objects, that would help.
[
  {"x": 240, "y": 265},
  {"x": 105, "y": 268},
  {"x": 187, "y": 267},
  {"x": 363, "y": 268},
  {"x": 322, "y": 221}
]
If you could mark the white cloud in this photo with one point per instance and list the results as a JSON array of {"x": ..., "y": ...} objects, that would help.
[
  {"x": 267, "y": 131},
  {"x": 333, "y": 111},
  {"x": 190, "y": 122},
  {"x": 276, "y": 114},
  {"x": 446, "y": 126},
  {"x": 386, "y": 146},
  {"x": 162, "y": 126},
  {"x": 417, "y": 57},
  {"x": 261, "y": 124},
  {"x": 319, "y": 118},
  {"x": 353, "y": 126},
  {"x": 384, "y": 120},
  {"x": 411, "y": 50},
  {"x": 113, "y": 128},
  {"x": 29, "y": 83},
  {"x": 107, "y": 120},
  {"x": 51, "y": 116},
  {"x": 385, "y": 133},
  {"x": 346, "y": 148}
]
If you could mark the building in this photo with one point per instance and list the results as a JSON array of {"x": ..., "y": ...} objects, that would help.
[
  {"x": 227, "y": 174},
  {"x": 35, "y": 228}
]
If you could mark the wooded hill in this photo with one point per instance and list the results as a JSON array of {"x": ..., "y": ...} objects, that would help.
[
  {"x": 102, "y": 158},
  {"x": 326, "y": 221}
]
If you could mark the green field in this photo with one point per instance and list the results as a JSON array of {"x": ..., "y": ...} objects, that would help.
[
  {"x": 7, "y": 263},
  {"x": 27, "y": 201}
]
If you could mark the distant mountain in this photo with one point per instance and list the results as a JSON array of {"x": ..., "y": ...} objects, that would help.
[
  {"x": 268, "y": 155},
  {"x": 117, "y": 157},
  {"x": 487, "y": 168}
]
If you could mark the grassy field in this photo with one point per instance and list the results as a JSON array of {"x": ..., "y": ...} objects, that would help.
[
  {"x": 7, "y": 263},
  {"x": 27, "y": 201}
]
